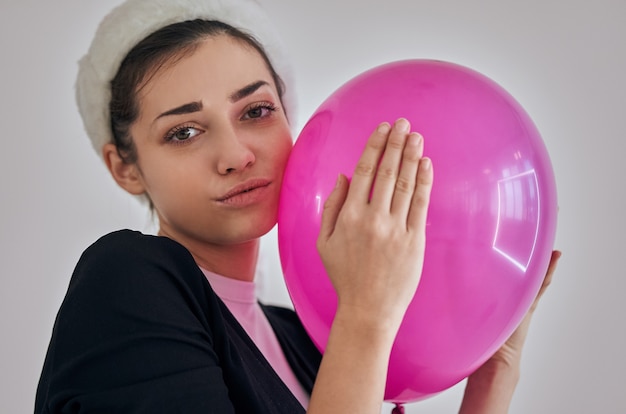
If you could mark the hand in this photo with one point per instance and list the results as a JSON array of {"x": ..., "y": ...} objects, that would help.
[
  {"x": 372, "y": 244},
  {"x": 510, "y": 354},
  {"x": 490, "y": 388},
  {"x": 373, "y": 248}
]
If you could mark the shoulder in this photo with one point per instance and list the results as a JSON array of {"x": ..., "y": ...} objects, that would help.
[
  {"x": 132, "y": 246},
  {"x": 127, "y": 281},
  {"x": 126, "y": 266},
  {"x": 138, "y": 324},
  {"x": 124, "y": 253}
]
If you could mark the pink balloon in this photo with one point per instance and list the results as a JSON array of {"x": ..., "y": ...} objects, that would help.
[{"x": 491, "y": 222}]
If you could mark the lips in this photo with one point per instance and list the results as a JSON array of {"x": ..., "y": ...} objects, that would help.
[{"x": 245, "y": 192}]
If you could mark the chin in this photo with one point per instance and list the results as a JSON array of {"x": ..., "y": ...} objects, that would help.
[
  {"x": 264, "y": 229},
  {"x": 254, "y": 232}
]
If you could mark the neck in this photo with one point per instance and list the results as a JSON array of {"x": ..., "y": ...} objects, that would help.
[{"x": 237, "y": 261}]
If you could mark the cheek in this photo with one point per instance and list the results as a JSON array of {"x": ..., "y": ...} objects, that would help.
[
  {"x": 285, "y": 146},
  {"x": 166, "y": 182}
]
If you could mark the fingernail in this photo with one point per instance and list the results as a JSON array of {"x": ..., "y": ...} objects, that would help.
[
  {"x": 426, "y": 163},
  {"x": 402, "y": 125},
  {"x": 384, "y": 128},
  {"x": 414, "y": 139},
  {"x": 338, "y": 182}
]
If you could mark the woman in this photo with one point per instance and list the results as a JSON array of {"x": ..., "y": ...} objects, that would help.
[{"x": 190, "y": 113}]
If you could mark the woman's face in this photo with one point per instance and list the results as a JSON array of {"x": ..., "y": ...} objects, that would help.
[{"x": 212, "y": 143}]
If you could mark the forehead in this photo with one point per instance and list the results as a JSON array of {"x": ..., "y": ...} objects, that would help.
[{"x": 214, "y": 67}]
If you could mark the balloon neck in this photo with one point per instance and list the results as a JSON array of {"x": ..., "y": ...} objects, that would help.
[{"x": 398, "y": 409}]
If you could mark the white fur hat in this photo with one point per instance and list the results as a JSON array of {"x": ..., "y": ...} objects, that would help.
[{"x": 133, "y": 20}]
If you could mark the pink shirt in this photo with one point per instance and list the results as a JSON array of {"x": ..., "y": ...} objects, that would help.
[{"x": 240, "y": 299}]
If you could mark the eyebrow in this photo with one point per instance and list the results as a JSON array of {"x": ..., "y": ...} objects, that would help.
[
  {"x": 246, "y": 91},
  {"x": 192, "y": 107},
  {"x": 187, "y": 108}
]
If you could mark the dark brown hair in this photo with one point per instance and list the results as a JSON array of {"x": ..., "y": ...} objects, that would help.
[{"x": 165, "y": 46}]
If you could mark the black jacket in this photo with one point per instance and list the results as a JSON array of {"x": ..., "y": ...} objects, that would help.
[{"x": 141, "y": 331}]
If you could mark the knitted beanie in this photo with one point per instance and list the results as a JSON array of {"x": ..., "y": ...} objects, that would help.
[{"x": 133, "y": 20}]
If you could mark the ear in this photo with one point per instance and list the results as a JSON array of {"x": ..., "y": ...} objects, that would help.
[{"x": 125, "y": 175}]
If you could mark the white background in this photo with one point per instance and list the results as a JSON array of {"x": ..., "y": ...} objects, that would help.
[{"x": 565, "y": 61}]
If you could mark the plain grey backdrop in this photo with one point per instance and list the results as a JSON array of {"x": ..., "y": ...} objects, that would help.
[{"x": 564, "y": 61}]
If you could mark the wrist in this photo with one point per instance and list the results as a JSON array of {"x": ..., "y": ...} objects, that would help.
[
  {"x": 368, "y": 323},
  {"x": 496, "y": 371},
  {"x": 490, "y": 389},
  {"x": 354, "y": 366}
]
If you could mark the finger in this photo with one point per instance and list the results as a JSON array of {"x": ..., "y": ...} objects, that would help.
[
  {"x": 407, "y": 177},
  {"x": 389, "y": 167},
  {"x": 547, "y": 280},
  {"x": 332, "y": 206},
  {"x": 421, "y": 197},
  {"x": 365, "y": 170}
]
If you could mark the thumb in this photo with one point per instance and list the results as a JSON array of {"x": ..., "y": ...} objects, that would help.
[{"x": 332, "y": 206}]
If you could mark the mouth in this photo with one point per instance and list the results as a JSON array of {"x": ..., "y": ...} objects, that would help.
[{"x": 244, "y": 191}]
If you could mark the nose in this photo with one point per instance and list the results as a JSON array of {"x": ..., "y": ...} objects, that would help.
[{"x": 233, "y": 153}]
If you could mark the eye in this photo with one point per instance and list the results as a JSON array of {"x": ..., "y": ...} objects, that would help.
[
  {"x": 259, "y": 110},
  {"x": 181, "y": 134}
]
